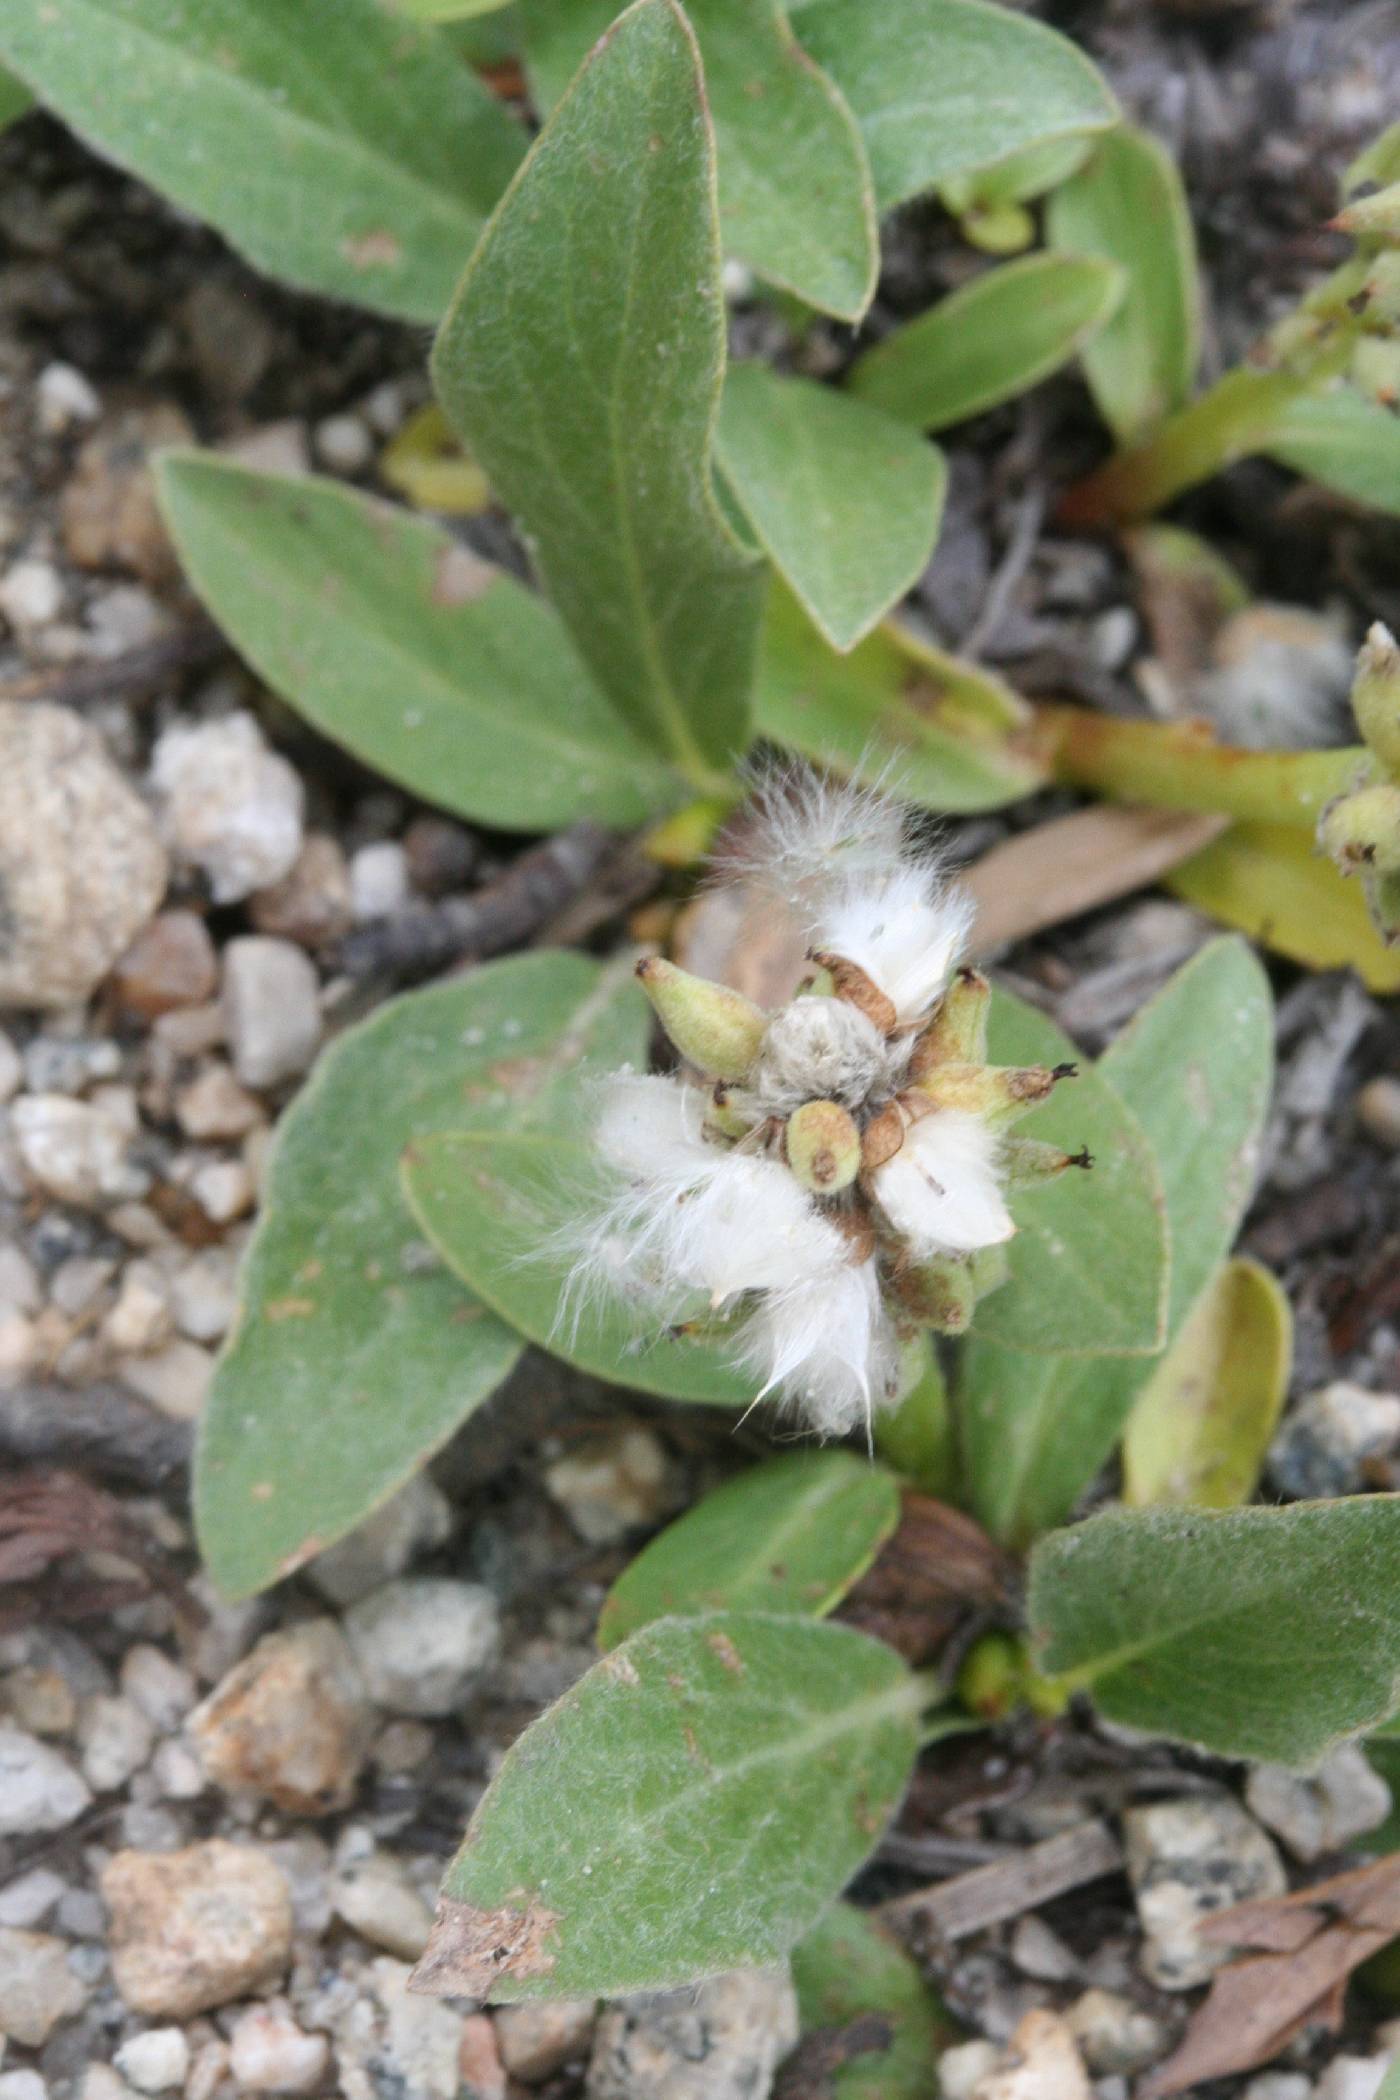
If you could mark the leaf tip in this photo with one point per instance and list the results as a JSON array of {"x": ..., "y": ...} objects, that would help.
[{"x": 470, "y": 1951}]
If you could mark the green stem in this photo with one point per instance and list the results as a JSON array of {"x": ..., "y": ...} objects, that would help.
[
  {"x": 1179, "y": 765},
  {"x": 1231, "y": 420},
  {"x": 916, "y": 1438}
]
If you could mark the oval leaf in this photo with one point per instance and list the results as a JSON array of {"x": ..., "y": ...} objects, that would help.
[
  {"x": 945, "y": 724},
  {"x": 844, "y": 500},
  {"x": 851, "y": 1968},
  {"x": 693, "y": 1804},
  {"x": 796, "y": 199},
  {"x": 495, "y": 1205},
  {"x": 365, "y": 172},
  {"x": 1258, "y": 1633},
  {"x": 582, "y": 361},
  {"x": 1347, "y": 443},
  {"x": 351, "y": 1360},
  {"x": 1195, "y": 1068},
  {"x": 1271, "y": 881},
  {"x": 991, "y": 340},
  {"x": 1089, "y": 1260},
  {"x": 1201, "y": 1425},
  {"x": 940, "y": 86},
  {"x": 788, "y": 1536},
  {"x": 435, "y": 668},
  {"x": 1128, "y": 204}
]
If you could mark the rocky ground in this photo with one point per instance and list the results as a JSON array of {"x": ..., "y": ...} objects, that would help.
[{"x": 221, "y": 1828}]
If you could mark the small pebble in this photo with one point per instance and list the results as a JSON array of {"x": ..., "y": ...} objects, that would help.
[
  {"x": 27, "y": 1900},
  {"x": 223, "y": 1189},
  {"x": 342, "y": 444},
  {"x": 214, "y": 1106},
  {"x": 1322, "y": 1447},
  {"x": 75, "y": 1152},
  {"x": 1279, "y": 2085},
  {"x": 64, "y": 397},
  {"x": 411, "y": 1522},
  {"x": 195, "y": 1928},
  {"x": 231, "y": 806},
  {"x": 1319, "y": 1812},
  {"x": 536, "y": 2040},
  {"x": 377, "y": 1902},
  {"x": 1113, "y": 2034},
  {"x": 175, "y": 1379},
  {"x": 39, "y": 1790},
  {"x": 108, "y": 512},
  {"x": 1039, "y": 1952},
  {"x": 204, "y": 1295},
  {"x": 115, "y": 1739},
  {"x": 37, "y": 1986},
  {"x": 311, "y": 904},
  {"x": 290, "y": 1724},
  {"x": 154, "y": 2061},
  {"x": 612, "y": 1483},
  {"x": 31, "y": 595},
  {"x": 171, "y": 964},
  {"x": 81, "y": 867},
  {"x": 962, "y": 2068},
  {"x": 421, "y": 1644},
  {"x": 1188, "y": 1859},
  {"x": 162, "y": 1688},
  {"x": 140, "y": 1320},
  {"x": 270, "y": 2053},
  {"x": 1378, "y": 1111},
  {"x": 271, "y": 1001},
  {"x": 718, "y": 2040},
  {"x": 1353, "y": 2077},
  {"x": 22, "y": 2085},
  {"x": 378, "y": 881},
  {"x": 11, "y": 1068}
]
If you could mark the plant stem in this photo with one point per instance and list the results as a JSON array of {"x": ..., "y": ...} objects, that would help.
[
  {"x": 916, "y": 1438},
  {"x": 1231, "y": 420},
  {"x": 1179, "y": 765}
]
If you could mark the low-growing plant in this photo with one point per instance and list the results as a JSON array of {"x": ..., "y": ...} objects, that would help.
[{"x": 900, "y": 1205}]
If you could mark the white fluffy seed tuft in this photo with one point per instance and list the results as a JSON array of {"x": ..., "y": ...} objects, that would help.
[
  {"x": 905, "y": 931},
  {"x": 827, "y": 1346},
  {"x": 942, "y": 1190}
]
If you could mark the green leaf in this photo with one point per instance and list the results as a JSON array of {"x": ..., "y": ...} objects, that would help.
[
  {"x": 845, "y": 501},
  {"x": 947, "y": 725},
  {"x": 1345, "y": 442},
  {"x": 582, "y": 360},
  {"x": 1254, "y": 1633},
  {"x": 447, "y": 10},
  {"x": 334, "y": 145},
  {"x": 693, "y": 1804},
  {"x": 850, "y": 1967},
  {"x": 352, "y": 1359},
  {"x": 1271, "y": 881},
  {"x": 435, "y": 668},
  {"x": 1195, "y": 1069},
  {"x": 15, "y": 99},
  {"x": 1378, "y": 163},
  {"x": 1201, "y": 1425},
  {"x": 940, "y": 86},
  {"x": 788, "y": 1536},
  {"x": 1089, "y": 1260},
  {"x": 1020, "y": 177},
  {"x": 497, "y": 1205},
  {"x": 991, "y": 340},
  {"x": 1128, "y": 205},
  {"x": 796, "y": 200}
]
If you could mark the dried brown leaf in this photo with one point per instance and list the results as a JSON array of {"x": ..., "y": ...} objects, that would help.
[
  {"x": 937, "y": 1563},
  {"x": 1057, "y": 871},
  {"x": 1315, "y": 1938}
]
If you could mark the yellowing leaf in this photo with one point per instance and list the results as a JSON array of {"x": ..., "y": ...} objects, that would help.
[
  {"x": 1201, "y": 1426},
  {"x": 1271, "y": 881}
]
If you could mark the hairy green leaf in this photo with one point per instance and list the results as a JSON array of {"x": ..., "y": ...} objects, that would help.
[
  {"x": 1128, "y": 205},
  {"x": 447, "y": 10},
  {"x": 693, "y": 1804},
  {"x": 850, "y": 1967},
  {"x": 997, "y": 336},
  {"x": 435, "y": 668},
  {"x": 1195, "y": 1069},
  {"x": 946, "y": 724},
  {"x": 582, "y": 360},
  {"x": 844, "y": 500},
  {"x": 1258, "y": 1633},
  {"x": 1344, "y": 441},
  {"x": 1089, "y": 1260},
  {"x": 353, "y": 1358},
  {"x": 788, "y": 1536},
  {"x": 940, "y": 86},
  {"x": 499, "y": 1206},
  {"x": 796, "y": 200},
  {"x": 334, "y": 145},
  {"x": 1201, "y": 1425}
]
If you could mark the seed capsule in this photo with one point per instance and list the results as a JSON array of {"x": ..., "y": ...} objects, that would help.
[
  {"x": 823, "y": 1147},
  {"x": 715, "y": 1029}
]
